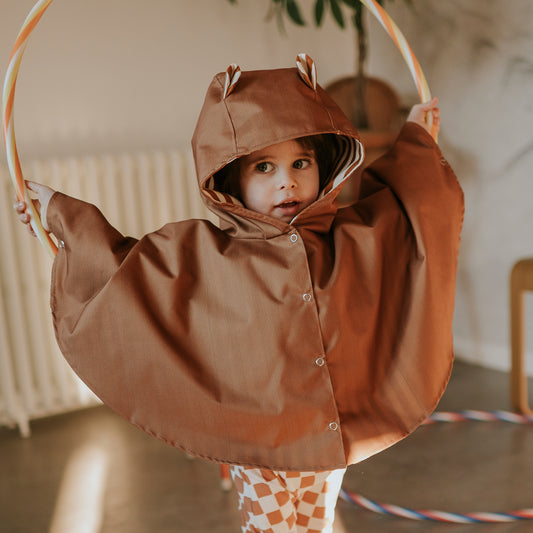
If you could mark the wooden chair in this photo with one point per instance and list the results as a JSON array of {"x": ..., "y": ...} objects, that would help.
[{"x": 521, "y": 281}]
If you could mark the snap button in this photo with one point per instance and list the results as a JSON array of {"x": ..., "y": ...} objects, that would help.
[
  {"x": 320, "y": 361},
  {"x": 307, "y": 297},
  {"x": 293, "y": 237},
  {"x": 60, "y": 244},
  {"x": 333, "y": 426}
]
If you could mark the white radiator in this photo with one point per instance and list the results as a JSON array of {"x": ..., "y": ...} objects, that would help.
[{"x": 137, "y": 193}]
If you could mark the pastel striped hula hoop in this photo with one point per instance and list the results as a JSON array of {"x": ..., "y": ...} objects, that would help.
[
  {"x": 444, "y": 516},
  {"x": 423, "y": 90},
  {"x": 11, "y": 79}
]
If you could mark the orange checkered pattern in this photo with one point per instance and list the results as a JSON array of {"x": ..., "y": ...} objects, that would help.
[{"x": 286, "y": 502}]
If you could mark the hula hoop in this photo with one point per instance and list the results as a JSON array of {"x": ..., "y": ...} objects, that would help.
[
  {"x": 444, "y": 516},
  {"x": 10, "y": 143},
  {"x": 401, "y": 42},
  {"x": 11, "y": 79},
  {"x": 424, "y": 93}
]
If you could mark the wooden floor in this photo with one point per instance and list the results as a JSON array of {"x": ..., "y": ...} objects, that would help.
[{"x": 91, "y": 472}]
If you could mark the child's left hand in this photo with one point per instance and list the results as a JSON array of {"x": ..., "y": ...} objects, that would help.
[
  {"x": 44, "y": 194},
  {"x": 419, "y": 114}
]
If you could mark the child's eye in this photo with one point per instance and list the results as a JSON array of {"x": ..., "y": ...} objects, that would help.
[
  {"x": 301, "y": 163},
  {"x": 264, "y": 166}
]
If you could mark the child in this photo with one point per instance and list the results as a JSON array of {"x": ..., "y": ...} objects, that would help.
[{"x": 297, "y": 338}]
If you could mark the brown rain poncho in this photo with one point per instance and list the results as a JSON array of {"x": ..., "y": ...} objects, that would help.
[{"x": 302, "y": 346}]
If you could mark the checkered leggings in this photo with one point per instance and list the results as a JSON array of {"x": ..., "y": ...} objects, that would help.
[{"x": 286, "y": 502}]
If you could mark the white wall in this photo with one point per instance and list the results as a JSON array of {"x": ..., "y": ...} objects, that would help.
[
  {"x": 110, "y": 75},
  {"x": 106, "y": 75}
]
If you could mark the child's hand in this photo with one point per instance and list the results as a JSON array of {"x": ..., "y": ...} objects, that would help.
[
  {"x": 419, "y": 114},
  {"x": 44, "y": 194}
]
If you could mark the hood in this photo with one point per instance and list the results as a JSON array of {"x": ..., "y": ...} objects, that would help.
[{"x": 245, "y": 111}]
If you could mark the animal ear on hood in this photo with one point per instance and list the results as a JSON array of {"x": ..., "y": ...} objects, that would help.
[
  {"x": 233, "y": 73},
  {"x": 307, "y": 70}
]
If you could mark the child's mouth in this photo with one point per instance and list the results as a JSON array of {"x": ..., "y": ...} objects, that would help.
[{"x": 290, "y": 207}]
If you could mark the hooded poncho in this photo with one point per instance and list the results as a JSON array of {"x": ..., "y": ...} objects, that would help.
[{"x": 301, "y": 346}]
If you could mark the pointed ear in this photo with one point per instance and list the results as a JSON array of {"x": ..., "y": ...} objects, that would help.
[
  {"x": 233, "y": 73},
  {"x": 307, "y": 70}
]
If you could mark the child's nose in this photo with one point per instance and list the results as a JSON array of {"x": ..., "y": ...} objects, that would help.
[{"x": 286, "y": 180}]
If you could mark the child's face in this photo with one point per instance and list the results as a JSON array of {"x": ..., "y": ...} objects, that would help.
[{"x": 279, "y": 180}]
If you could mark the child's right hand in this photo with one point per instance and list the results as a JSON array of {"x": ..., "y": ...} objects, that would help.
[
  {"x": 419, "y": 114},
  {"x": 44, "y": 194}
]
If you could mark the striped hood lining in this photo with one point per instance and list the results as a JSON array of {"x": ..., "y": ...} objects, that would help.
[{"x": 350, "y": 156}]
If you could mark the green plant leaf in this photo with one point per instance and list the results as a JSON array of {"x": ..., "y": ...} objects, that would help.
[
  {"x": 294, "y": 12},
  {"x": 337, "y": 13},
  {"x": 357, "y": 19},
  {"x": 275, "y": 9},
  {"x": 319, "y": 11},
  {"x": 279, "y": 19}
]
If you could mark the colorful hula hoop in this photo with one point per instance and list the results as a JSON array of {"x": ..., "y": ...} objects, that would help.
[
  {"x": 400, "y": 41},
  {"x": 444, "y": 516},
  {"x": 11, "y": 79},
  {"x": 423, "y": 90},
  {"x": 10, "y": 144}
]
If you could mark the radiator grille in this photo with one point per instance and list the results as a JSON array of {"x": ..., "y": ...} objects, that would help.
[{"x": 138, "y": 193}]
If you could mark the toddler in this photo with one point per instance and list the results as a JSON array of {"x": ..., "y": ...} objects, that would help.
[{"x": 295, "y": 338}]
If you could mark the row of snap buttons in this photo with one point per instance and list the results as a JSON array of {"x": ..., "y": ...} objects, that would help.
[{"x": 307, "y": 297}]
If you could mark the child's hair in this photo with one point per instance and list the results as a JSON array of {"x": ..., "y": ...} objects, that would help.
[{"x": 323, "y": 146}]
